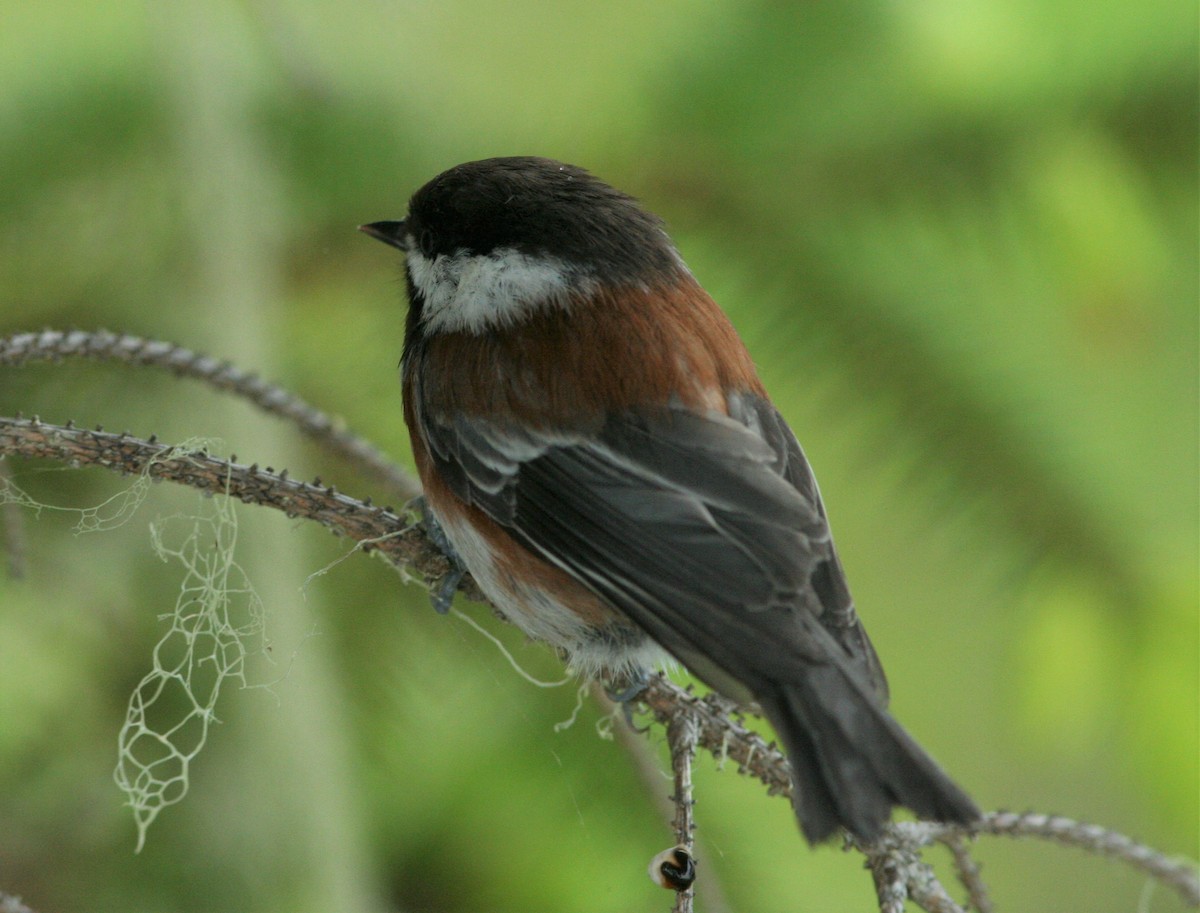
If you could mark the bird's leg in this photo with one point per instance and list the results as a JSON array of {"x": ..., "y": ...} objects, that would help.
[
  {"x": 441, "y": 594},
  {"x": 625, "y": 689},
  {"x": 628, "y": 687}
]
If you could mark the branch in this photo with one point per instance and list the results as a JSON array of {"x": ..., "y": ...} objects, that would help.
[
  {"x": 900, "y": 874},
  {"x": 968, "y": 873},
  {"x": 898, "y": 848},
  {"x": 1179, "y": 874},
  {"x": 681, "y": 737},
  {"x": 649, "y": 771},
  {"x": 330, "y": 432},
  {"x": 720, "y": 732},
  {"x": 379, "y": 529}
]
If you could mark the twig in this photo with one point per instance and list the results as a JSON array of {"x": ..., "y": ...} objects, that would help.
[
  {"x": 681, "y": 739},
  {"x": 900, "y": 874},
  {"x": 379, "y": 529},
  {"x": 719, "y": 731},
  {"x": 649, "y": 770},
  {"x": 908, "y": 837},
  {"x": 927, "y": 892},
  {"x": 56, "y": 345},
  {"x": 969, "y": 874},
  {"x": 891, "y": 884},
  {"x": 1179, "y": 874}
]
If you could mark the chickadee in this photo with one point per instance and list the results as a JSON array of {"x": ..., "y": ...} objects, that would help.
[{"x": 598, "y": 450}]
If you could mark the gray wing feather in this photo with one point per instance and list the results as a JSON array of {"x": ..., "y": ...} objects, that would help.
[{"x": 706, "y": 530}]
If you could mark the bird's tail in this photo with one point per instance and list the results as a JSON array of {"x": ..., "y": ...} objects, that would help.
[{"x": 851, "y": 761}]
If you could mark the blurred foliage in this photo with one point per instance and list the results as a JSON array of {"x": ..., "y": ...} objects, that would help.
[{"x": 960, "y": 239}]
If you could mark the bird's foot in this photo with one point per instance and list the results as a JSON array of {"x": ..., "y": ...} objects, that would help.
[
  {"x": 627, "y": 688},
  {"x": 441, "y": 594}
]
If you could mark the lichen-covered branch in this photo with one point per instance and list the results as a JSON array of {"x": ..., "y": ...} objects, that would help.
[
  {"x": 1178, "y": 874},
  {"x": 719, "y": 731},
  {"x": 681, "y": 737},
  {"x": 969, "y": 874},
  {"x": 381, "y": 529},
  {"x": 100, "y": 345},
  {"x": 901, "y": 843}
]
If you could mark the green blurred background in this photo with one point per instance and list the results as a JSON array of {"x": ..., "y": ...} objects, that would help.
[{"x": 960, "y": 239}]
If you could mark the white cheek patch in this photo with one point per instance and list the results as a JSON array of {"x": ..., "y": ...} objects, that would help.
[{"x": 475, "y": 293}]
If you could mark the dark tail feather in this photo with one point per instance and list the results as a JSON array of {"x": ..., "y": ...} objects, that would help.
[{"x": 851, "y": 762}]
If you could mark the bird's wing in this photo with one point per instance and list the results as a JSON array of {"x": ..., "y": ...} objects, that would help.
[
  {"x": 838, "y": 612},
  {"x": 706, "y": 530}
]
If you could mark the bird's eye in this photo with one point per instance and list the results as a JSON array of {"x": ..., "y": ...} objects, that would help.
[{"x": 425, "y": 242}]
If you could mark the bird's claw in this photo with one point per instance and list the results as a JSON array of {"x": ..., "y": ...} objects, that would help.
[
  {"x": 626, "y": 691},
  {"x": 442, "y": 597}
]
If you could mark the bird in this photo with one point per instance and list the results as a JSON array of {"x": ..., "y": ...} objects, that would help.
[{"x": 597, "y": 450}]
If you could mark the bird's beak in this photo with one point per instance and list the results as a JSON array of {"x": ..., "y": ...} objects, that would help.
[{"x": 392, "y": 233}]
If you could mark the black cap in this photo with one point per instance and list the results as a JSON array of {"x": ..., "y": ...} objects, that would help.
[{"x": 540, "y": 207}]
